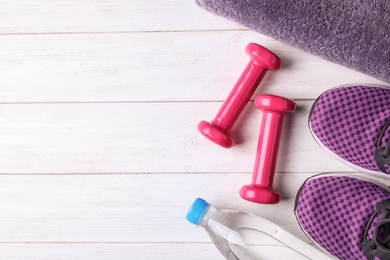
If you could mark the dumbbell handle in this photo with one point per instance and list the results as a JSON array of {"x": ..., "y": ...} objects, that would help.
[
  {"x": 267, "y": 148},
  {"x": 261, "y": 60},
  {"x": 240, "y": 95},
  {"x": 274, "y": 108}
]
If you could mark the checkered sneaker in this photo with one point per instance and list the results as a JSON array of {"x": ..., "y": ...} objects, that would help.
[
  {"x": 353, "y": 123},
  {"x": 346, "y": 217}
]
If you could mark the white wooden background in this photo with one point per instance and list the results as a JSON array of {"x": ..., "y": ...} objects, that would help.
[{"x": 99, "y": 153}]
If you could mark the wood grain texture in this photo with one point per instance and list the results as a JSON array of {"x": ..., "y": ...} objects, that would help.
[
  {"x": 99, "y": 153},
  {"x": 146, "y": 67},
  {"x": 175, "y": 251},
  {"x": 127, "y": 208},
  {"x": 62, "y": 16},
  {"x": 109, "y": 251},
  {"x": 144, "y": 137}
]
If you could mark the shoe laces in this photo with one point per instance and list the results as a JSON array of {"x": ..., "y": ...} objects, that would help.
[
  {"x": 386, "y": 150},
  {"x": 382, "y": 155},
  {"x": 377, "y": 246}
]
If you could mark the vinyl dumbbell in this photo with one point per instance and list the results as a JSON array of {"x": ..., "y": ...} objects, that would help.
[
  {"x": 261, "y": 60},
  {"x": 274, "y": 108}
]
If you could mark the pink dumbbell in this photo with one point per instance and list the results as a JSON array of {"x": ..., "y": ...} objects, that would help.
[
  {"x": 274, "y": 108},
  {"x": 261, "y": 60}
]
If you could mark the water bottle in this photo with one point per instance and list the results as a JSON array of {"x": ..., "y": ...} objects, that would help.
[{"x": 241, "y": 235}]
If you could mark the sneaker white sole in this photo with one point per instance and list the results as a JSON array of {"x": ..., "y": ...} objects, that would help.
[
  {"x": 328, "y": 151},
  {"x": 332, "y": 174}
]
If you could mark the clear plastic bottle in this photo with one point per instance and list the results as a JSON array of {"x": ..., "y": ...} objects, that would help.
[{"x": 241, "y": 235}]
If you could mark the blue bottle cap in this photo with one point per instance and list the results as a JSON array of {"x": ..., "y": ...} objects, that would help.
[{"x": 197, "y": 211}]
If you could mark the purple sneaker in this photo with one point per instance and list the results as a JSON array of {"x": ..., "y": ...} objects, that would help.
[
  {"x": 346, "y": 217},
  {"x": 353, "y": 123}
]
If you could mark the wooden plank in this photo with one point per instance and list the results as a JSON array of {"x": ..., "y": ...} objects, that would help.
[
  {"x": 128, "y": 208},
  {"x": 145, "y": 251},
  {"x": 144, "y": 137},
  {"x": 187, "y": 66},
  {"x": 99, "y": 153},
  {"x": 106, "y": 16}
]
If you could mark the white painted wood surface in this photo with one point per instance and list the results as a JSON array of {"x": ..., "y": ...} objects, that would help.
[{"x": 99, "y": 153}]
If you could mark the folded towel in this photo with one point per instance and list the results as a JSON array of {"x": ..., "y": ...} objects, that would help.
[{"x": 353, "y": 33}]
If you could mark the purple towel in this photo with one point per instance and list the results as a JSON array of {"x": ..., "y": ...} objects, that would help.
[{"x": 353, "y": 33}]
